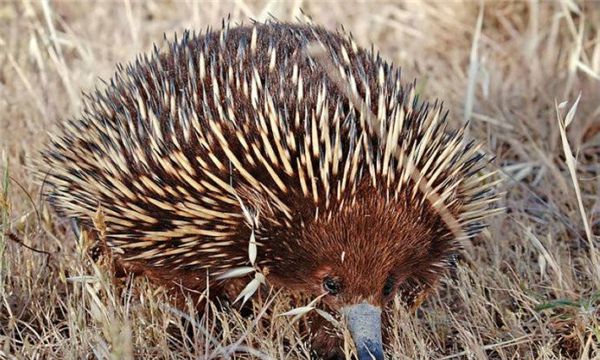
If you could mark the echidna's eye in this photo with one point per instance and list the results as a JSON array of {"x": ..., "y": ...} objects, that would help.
[
  {"x": 332, "y": 285},
  {"x": 388, "y": 287}
]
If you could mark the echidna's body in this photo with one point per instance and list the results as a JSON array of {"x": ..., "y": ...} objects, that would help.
[{"x": 247, "y": 133}]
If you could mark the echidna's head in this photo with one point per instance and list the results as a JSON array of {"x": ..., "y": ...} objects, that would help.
[{"x": 363, "y": 254}]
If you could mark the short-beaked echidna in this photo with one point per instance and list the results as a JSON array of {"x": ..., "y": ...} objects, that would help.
[{"x": 286, "y": 148}]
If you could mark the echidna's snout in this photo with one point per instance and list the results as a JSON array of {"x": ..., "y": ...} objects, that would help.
[{"x": 364, "y": 323}]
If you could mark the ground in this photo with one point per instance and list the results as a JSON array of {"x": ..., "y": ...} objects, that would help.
[{"x": 528, "y": 287}]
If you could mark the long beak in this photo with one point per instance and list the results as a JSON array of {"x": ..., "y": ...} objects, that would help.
[{"x": 364, "y": 323}]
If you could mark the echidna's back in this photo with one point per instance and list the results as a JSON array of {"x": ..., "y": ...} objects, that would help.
[{"x": 151, "y": 149}]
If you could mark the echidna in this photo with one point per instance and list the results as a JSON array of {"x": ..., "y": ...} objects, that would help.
[{"x": 285, "y": 141}]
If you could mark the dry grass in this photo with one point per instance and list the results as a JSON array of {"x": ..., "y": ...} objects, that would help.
[{"x": 531, "y": 286}]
